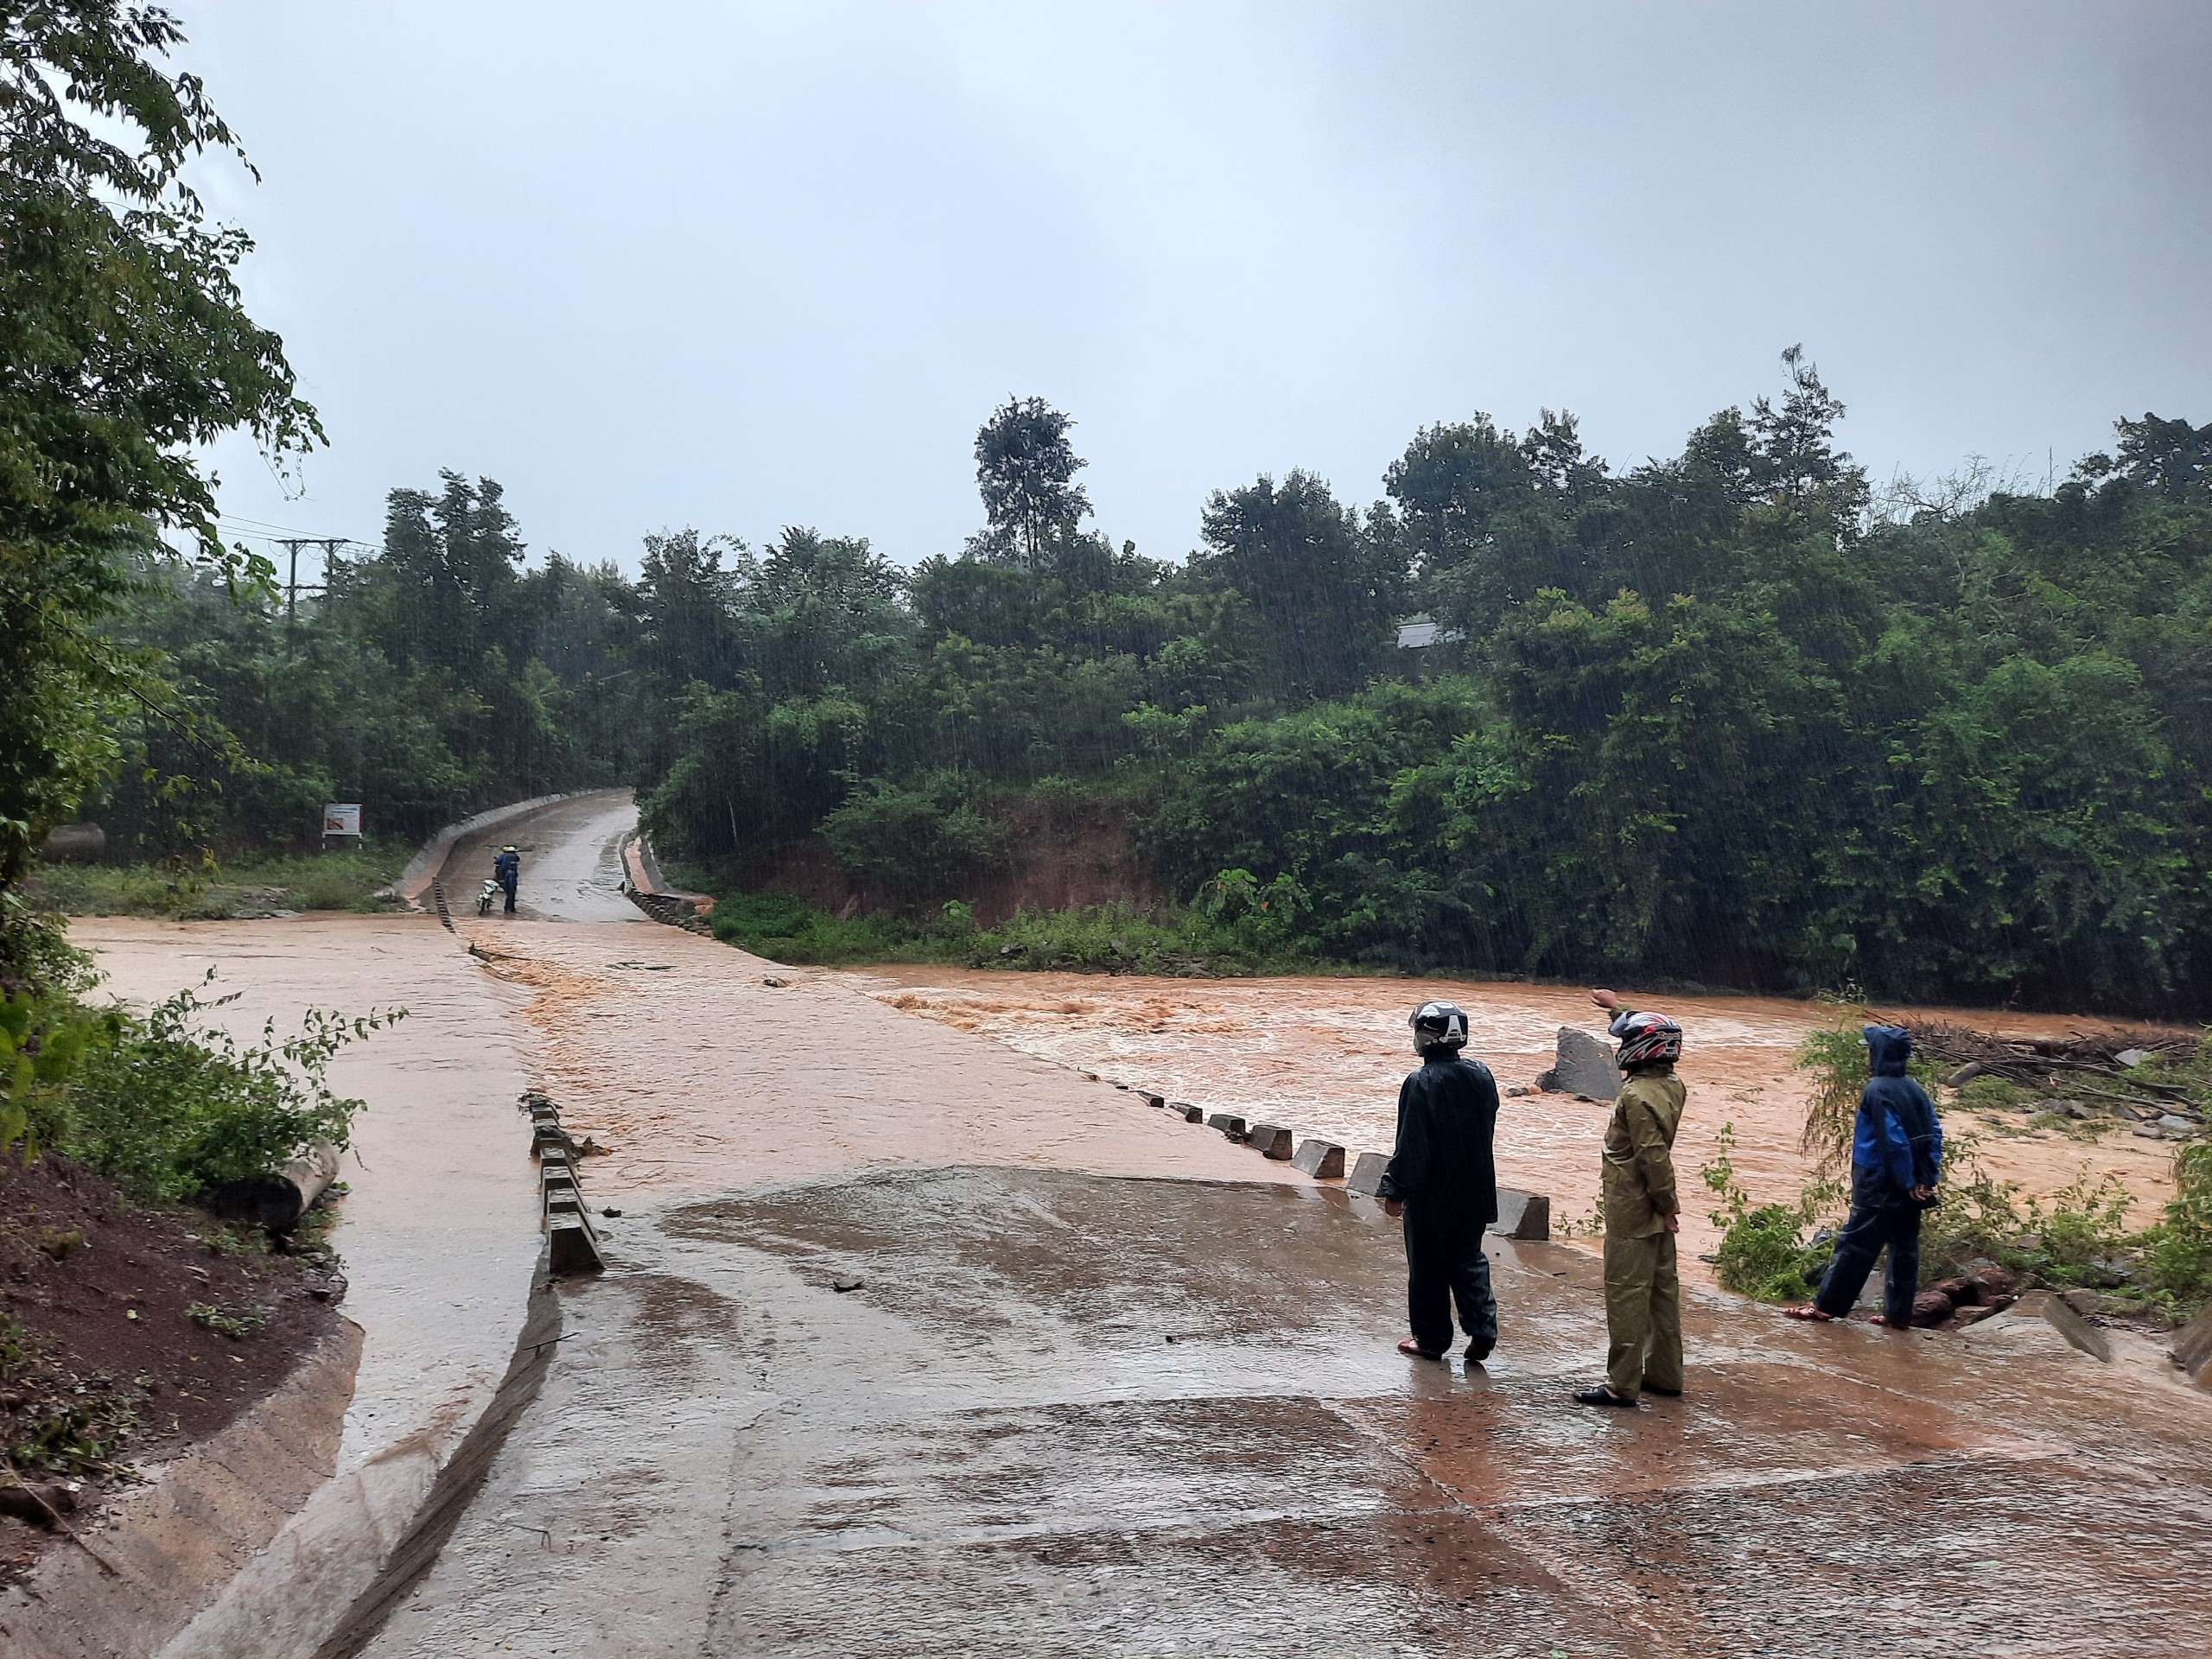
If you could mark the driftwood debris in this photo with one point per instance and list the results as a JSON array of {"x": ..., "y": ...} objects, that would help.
[{"x": 2101, "y": 1066}]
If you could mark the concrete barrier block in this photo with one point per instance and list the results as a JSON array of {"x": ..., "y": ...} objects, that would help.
[
  {"x": 1229, "y": 1123},
  {"x": 1270, "y": 1140},
  {"x": 1366, "y": 1177},
  {"x": 1187, "y": 1112},
  {"x": 2089, "y": 1338},
  {"x": 1582, "y": 1065},
  {"x": 570, "y": 1247},
  {"x": 1323, "y": 1160},
  {"x": 1524, "y": 1215},
  {"x": 1151, "y": 1099}
]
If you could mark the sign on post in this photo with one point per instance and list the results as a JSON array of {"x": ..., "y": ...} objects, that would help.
[{"x": 342, "y": 818}]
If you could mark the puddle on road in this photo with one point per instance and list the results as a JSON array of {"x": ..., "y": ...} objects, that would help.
[{"x": 1325, "y": 1055}]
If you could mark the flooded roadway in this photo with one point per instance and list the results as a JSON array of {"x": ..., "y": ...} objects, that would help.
[
  {"x": 906, "y": 1346},
  {"x": 913, "y": 1343}
]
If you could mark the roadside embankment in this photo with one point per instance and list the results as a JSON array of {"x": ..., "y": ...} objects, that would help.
[{"x": 439, "y": 1234}]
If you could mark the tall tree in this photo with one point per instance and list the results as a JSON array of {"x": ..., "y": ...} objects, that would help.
[
  {"x": 124, "y": 351},
  {"x": 1025, "y": 468},
  {"x": 1325, "y": 594}
]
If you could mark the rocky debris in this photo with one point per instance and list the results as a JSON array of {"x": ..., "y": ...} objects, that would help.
[
  {"x": 1932, "y": 1307},
  {"x": 1229, "y": 1123},
  {"x": 1323, "y": 1160},
  {"x": 1366, "y": 1177},
  {"x": 1270, "y": 1140},
  {"x": 42, "y": 1504},
  {"x": 2192, "y": 1349},
  {"x": 1967, "y": 1316},
  {"x": 1582, "y": 1065},
  {"x": 1514, "y": 1091}
]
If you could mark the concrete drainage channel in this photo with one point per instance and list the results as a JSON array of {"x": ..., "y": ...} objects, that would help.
[
  {"x": 571, "y": 1247},
  {"x": 1524, "y": 1216}
]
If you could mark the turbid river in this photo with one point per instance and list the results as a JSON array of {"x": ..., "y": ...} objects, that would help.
[{"x": 1326, "y": 1054}]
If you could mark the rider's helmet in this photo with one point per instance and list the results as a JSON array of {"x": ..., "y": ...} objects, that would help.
[
  {"x": 1438, "y": 1027},
  {"x": 511, "y": 847},
  {"x": 1649, "y": 1040}
]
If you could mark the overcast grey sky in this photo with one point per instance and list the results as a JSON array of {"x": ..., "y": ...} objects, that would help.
[{"x": 742, "y": 266}]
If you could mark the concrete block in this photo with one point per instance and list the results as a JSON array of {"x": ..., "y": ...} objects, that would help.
[
  {"x": 570, "y": 1247},
  {"x": 2192, "y": 1349},
  {"x": 2089, "y": 1338},
  {"x": 1229, "y": 1123},
  {"x": 1323, "y": 1160},
  {"x": 1187, "y": 1112},
  {"x": 1524, "y": 1216},
  {"x": 1151, "y": 1099},
  {"x": 1366, "y": 1177},
  {"x": 1581, "y": 1064},
  {"x": 1270, "y": 1140}
]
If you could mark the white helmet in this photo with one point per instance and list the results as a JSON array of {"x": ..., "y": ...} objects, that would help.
[{"x": 1438, "y": 1025}]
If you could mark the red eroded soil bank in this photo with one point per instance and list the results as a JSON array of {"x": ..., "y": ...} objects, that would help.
[{"x": 102, "y": 1365}]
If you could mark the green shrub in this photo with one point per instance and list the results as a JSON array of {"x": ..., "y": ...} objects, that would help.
[
  {"x": 166, "y": 1106},
  {"x": 1763, "y": 1252},
  {"x": 913, "y": 843},
  {"x": 1989, "y": 1093}
]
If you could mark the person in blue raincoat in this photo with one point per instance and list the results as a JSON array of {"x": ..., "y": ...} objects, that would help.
[
  {"x": 1896, "y": 1161},
  {"x": 506, "y": 870}
]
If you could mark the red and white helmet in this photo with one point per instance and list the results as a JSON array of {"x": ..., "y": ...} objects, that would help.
[{"x": 1648, "y": 1039}]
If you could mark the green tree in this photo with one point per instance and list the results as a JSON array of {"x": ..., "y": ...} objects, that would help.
[
  {"x": 1324, "y": 595},
  {"x": 1026, "y": 468},
  {"x": 124, "y": 351}
]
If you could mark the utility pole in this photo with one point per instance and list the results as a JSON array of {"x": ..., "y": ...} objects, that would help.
[{"x": 329, "y": 544}]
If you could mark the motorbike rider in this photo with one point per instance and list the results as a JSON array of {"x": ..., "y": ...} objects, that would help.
[
  {"x": 506, "y": 870},
  {"x": 1443, "y": 1180}
]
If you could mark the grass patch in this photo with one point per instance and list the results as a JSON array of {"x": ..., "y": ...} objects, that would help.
[
  {"x": 1120, "y": 937},
  {"x": 346, "y": 878}
]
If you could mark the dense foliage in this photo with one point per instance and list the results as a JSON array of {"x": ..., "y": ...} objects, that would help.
[{"x": 1724, "y": 718}]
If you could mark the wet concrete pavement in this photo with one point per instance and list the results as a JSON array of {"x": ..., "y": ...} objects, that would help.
[
  {"x": 995, "y": 1411},
  {"x": 570, "y": 867}
]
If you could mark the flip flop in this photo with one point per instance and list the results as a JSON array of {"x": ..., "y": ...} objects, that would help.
[
  {"x": 1605, "y": 1397},
  {"x": 1817, "y": 1316}
]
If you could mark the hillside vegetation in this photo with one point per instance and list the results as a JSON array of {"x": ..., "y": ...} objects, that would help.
[{"x": 1731, "y": 717}]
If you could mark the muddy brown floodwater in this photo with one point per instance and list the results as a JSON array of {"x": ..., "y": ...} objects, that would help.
[{"x": 1327, "y": 1053}]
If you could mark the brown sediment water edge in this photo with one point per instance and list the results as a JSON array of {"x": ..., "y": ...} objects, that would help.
[{"x": 1326, "y": 1054}]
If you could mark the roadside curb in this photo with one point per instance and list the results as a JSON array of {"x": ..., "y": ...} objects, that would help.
[
  {"x": 182, "y": 1540},
  {"x": 426, "y": 865},
  {"x": 649, "y": 891}
]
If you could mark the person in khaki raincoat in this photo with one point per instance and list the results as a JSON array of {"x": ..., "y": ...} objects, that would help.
[{"x": 1644, "y": 1312}]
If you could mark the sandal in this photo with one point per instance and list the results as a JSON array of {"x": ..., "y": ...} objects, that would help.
[
  {"x": 1413, "y": 1349},
  {"x": 1810, "y": 1311},
  {"x": 1605, "y": 1397}
]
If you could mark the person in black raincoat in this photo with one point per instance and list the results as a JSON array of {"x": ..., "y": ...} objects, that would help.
[{"x": 1443, "y": 1180}]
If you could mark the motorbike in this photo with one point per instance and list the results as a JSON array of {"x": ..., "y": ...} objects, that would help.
[{"x": 490, "y": 896}]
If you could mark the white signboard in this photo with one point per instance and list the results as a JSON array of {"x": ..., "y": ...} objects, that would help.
[{"x": 342, "y": 820}]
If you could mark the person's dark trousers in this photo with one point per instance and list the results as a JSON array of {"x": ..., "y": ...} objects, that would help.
[
  {"x": 508, "y": 887},
  {"x": 1880, "y": 1215},
  {"x": 1444, "y": 1261}
]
